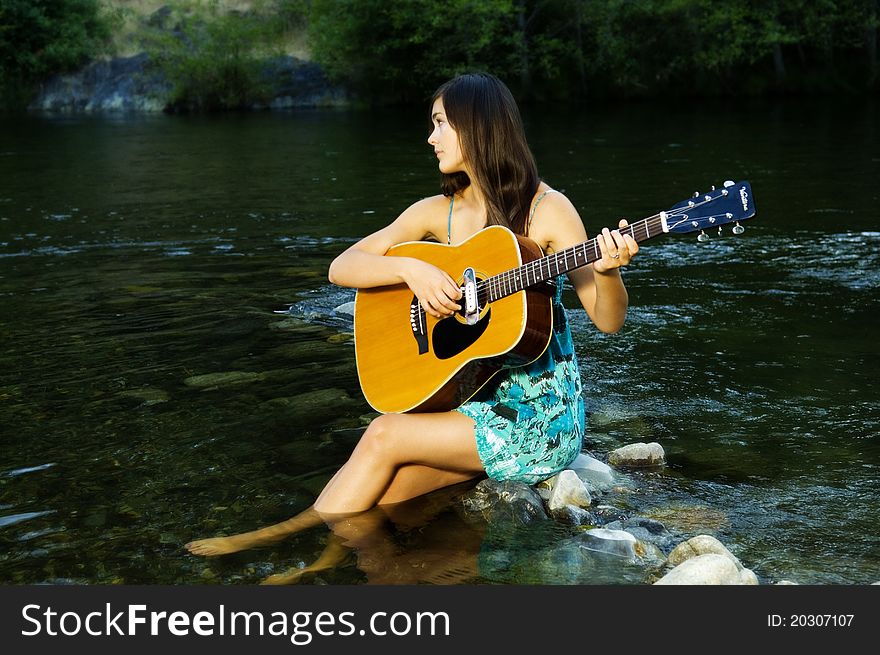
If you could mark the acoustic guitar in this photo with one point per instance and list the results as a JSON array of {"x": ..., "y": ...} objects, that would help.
[{"x": 409, "y": 361}]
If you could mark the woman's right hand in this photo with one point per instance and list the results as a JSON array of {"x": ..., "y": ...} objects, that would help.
[{"x": 436, "y": 290}]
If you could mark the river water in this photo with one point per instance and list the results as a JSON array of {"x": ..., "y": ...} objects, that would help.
[{"x": 173, "y": 364}]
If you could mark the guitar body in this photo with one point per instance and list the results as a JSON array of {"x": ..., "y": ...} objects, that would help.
[{"x": 409, "y": 361}]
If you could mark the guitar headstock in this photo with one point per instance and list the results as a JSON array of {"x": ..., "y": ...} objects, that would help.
[{"x": 732, "y": 203}]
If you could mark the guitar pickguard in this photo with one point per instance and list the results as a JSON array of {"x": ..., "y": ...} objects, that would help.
[{"x": 451, "y": 337}]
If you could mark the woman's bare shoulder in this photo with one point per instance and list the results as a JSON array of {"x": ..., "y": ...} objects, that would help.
[
  {"x": 429, "y": 214},
  {"x": 431, "y": 204},
  {"x": 556, "y": 221}
]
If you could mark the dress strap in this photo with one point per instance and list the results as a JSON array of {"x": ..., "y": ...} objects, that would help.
[
  {"x": 449, "y": 222},
  {"x": 535, "y": 206}
]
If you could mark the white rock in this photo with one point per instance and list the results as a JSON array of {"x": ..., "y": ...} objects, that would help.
[
  {"x": 708, "y": 569},
  {"x": 748, "y": 577},
  {"x": 568, "y": 489}
]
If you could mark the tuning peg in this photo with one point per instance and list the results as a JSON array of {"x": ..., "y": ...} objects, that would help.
[
  {"x": 719, "y": 230},
  {"x": 728, "y": 183},
  {"x": 696, "y": 194},
  {"x": 702, "y": 237},
  {"x": 738, "y": 229}
]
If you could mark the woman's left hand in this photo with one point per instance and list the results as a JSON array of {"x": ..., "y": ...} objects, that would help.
[{"x": 617, "y": 249}]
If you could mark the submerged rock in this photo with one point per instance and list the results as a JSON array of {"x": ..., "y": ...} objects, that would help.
[
  {"x": 223, "y": 379},
  {"x": 619, "y": 543},
  {"x": 597, "y": 474},
  {"x": 513, "y": 502},
  {"x": 576, "y": 516},
  {"x": 147, "y": 395},
  {"x": 646, "y": 530},
  {"x": 690, "y": 518},
  {"x": 306, "y": 404}
]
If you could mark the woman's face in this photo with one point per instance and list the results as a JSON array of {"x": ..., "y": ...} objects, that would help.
[{"x": 444, "y": 140}]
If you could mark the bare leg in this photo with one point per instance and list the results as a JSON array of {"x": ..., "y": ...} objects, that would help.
[
  {"x": 428, "y": 450},
  {"x": 399, "y": 457}
]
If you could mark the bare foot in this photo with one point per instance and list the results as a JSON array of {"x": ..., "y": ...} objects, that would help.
[{"x": 220, "y": 545}]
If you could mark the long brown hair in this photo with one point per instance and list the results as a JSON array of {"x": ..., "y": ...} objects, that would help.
[{"x": 483, "y": 112}]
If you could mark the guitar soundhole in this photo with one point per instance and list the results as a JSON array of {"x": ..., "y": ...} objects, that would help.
[{"x": 451, "y": 337}]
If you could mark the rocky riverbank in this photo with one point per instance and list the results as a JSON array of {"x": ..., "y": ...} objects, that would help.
[{"x": 132, "y": 85}]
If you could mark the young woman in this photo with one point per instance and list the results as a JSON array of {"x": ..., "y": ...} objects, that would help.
[{"x": 531, "y": 423}]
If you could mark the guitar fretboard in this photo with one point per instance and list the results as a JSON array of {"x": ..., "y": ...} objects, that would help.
[{"x": 559, "y": 263}]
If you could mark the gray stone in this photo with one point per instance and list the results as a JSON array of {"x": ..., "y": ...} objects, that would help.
[
  {"x": 646, "y": 530},
  {"x": 345, "y": 308},
  {"x": 608, "y": 514},
  {"x": 122, "y": 84},
  {"x": 638, "y": 455}
]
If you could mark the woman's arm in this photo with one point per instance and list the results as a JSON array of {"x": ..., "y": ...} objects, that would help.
[
  {"x": 364, "y": 265},
  {"x": 557, "y": 226}
]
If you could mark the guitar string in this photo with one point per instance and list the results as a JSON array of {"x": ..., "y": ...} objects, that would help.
[{"x": 507, "y": 283}]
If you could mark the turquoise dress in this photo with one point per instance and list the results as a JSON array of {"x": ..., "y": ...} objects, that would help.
[{"x": 530, "y": 424}]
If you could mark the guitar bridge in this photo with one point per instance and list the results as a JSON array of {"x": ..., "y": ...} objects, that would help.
[{"x": 418, "y": 325}]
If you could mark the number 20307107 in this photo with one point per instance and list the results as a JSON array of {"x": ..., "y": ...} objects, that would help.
[{"x": 810, "y": 620}]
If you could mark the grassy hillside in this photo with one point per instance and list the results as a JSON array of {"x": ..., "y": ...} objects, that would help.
[{"x": 132, "y": 15}]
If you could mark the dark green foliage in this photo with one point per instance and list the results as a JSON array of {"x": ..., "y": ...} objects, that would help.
[
  {"x": 41, "y": 37},
  {"x": 568, "y": 49},
  {"x": 401, "y": 50}
]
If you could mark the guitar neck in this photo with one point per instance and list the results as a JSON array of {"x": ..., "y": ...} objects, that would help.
[{"x": 560, "y": 263}]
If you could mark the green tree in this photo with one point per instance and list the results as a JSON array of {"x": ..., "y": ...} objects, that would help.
[
  {"x": 396, "y": 50},
  {"x": 41, "y": 37}
]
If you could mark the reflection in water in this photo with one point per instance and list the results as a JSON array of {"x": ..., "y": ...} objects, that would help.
[
  {"x": 421, "y": 541},
  {"x": 150, "y": 393}
]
